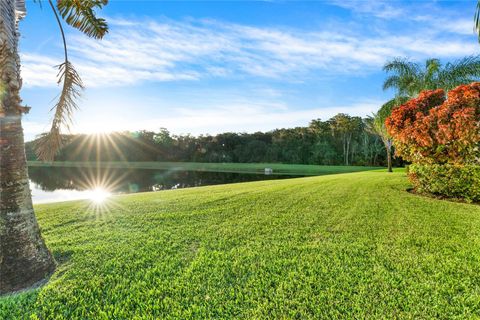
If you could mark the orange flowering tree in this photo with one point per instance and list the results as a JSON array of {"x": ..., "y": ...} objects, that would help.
[
  {"x": 440, "y": 135},
  {"x": 438, "y": 129}
]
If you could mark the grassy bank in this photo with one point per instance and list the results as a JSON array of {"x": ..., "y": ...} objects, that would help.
[
  {"x": 285, "y": 169},
  {"x": 341, "y": 246}
]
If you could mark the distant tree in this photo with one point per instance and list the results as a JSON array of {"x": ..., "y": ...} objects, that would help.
[
  {"x": 165, "y": 144},
  {"x": 345, "y": 127},
  {"x": 316, "y": 144},
  {"x": 324, "y": 153}
]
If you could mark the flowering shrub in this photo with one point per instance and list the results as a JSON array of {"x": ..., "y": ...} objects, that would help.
[
  {"x": 448, "y": 180},
  {"x": 434, "y": 129},
  {"x": 441, "y": 137}
]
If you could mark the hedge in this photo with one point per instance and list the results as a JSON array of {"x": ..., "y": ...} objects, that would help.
[{"x": 447, "y": 180}]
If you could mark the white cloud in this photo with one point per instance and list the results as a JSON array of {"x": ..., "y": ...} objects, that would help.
[
  {"x": 196, "y": 49},
  {"x": 460, "y": 26},
  {"x": 32, "y": 128},
  {"x": 38, "y": 71},
  {"x": 433, "y": 18},
  {"x": 378, "y": 8},
  {"x": 247, "y": 116},
  {"x": 447, "y": 24}
]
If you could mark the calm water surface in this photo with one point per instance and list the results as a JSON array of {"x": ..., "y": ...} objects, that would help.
[{"x": 64, "y": 184}]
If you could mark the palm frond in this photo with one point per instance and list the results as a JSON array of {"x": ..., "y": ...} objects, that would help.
[
  {"x": 81, "y": 15},
  {"x": 376, "y": 127},
  {"x": 463, "y": 71},
  {"x": 476, "y": 20},
  {"x": 433, "y": 64},
  {"x": 369, "y": 126},
  {"x": 410, "y": 85},
  {"x": 386, "y": 109},
  {"x": 392, "y": 82},
  {"x": 49, "y": 143},
  {"x": 39, "y": 3},
  {"x": 378, "y": 119},
  {"x": 430, "y": 75},
  {"x": 401, "y": 66},
  {"x": 405, "y": 76}
]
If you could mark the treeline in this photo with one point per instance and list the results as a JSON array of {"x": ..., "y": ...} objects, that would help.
[{"x": 342, "y": 139}]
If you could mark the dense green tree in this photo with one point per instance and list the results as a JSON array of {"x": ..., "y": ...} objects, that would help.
[
  {"x": 316, "y": 144},
  {"x": 345, "y": 127}
]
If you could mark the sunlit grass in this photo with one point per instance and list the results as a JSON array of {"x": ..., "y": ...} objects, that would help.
[{"x": 351, "y": 246}]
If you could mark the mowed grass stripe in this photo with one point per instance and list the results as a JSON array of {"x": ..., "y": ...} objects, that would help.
[{"x": 341, "y": 246}]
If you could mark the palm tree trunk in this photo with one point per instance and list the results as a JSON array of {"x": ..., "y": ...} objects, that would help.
[
  {"x": 389, "y": 160},
  {"x": 388, "y": 146},
  {"x": 24, "y": 258}
]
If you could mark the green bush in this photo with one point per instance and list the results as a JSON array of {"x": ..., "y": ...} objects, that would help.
[{"x": 452, "y": 181}]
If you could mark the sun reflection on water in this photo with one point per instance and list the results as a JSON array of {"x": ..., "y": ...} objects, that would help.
[{"x": 98, "y": 195}]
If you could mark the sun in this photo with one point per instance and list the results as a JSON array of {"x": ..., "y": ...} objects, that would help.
[
  {"x": 100, "y": 186},
  {"x": 99, "y": 195}
]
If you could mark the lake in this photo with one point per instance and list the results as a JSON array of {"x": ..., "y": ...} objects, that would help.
[{"x": 64, "y": 184}]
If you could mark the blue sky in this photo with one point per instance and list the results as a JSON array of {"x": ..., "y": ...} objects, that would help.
[{"x": 209, "y": 67}]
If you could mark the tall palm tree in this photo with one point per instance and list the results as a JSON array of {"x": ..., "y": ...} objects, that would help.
[
  {"x": 408, "y": 79},
  {"x": 376, "y": 125},
  {"x": 24, "y": 257}
]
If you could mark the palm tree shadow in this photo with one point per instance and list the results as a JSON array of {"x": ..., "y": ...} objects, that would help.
[
  {"x": 62, "y": 259},
  {"x": 26, "y": 299}
]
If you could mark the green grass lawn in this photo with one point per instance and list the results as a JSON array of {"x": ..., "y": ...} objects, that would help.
[
  {"x": 341, "y": 246},
  {"x": 278, "y": 168}
]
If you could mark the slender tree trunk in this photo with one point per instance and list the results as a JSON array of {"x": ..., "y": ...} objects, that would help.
[
  {"x": 389, "y": 160},
  {"x": 24, "y": 258},
  {"x": 348, "y": 149},
  {"x": 388, "y": 146}
]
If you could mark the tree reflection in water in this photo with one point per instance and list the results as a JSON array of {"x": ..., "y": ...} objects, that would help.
[{"x": 132, "y": 180}]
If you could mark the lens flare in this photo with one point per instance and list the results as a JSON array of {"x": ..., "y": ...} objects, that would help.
[{"x": 99, "y": 195}]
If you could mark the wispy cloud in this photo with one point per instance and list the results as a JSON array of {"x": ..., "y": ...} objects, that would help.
[
  {"x": 432, "y": 18},
  {"x": 167, "y": 50},
  {"x": 243, "y": 77},
  {"x": 244, "y": 115},
  {"x": 378, "y": 8},
  {"x": 38, "y": 70},
  {"x": 33, "y": 128}
]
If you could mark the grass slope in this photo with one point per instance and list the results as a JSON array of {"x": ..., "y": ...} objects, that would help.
[
  {"x": 341, "y": 246},
  {"x": 278, "y": 168}
]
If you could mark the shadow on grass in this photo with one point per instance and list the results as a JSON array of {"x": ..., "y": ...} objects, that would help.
[
  {"x": 440, "y": 197},
  {"x": 11, "y": 304}
]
